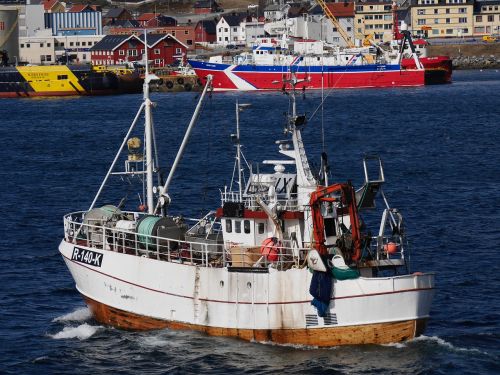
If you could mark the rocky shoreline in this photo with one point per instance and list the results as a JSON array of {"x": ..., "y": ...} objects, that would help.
[{"x": 476, "y": 62}]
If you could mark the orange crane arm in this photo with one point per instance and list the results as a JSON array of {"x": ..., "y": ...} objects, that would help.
[
  {"x": 348, "y": 199},
  {"x": 336, "y": 23}
]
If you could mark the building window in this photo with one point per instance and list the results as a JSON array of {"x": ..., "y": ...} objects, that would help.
[
  {"x": 41, "y": 45},
  {"x": 22, "y": 45},
  {"x": 436, "y": 11},
  {"x": 157, "y": 51},
  {"x": 71, "y": 44},
  {"x": 178, "y": 50},
  {"x": 447, "y": 10},
  {"x": 448, "y": 20},
  {"x": 48, "y": 58},
  {"x": 420, "y": 22},
  {"x": 226, "y": 29},
  {"x": 436, "y": 21},
  {"x": 449, "y": 31},
  {"x": 61, "y": 44},
  {"x": 132, "y": 52},
  {"x": 462, "y": 20},
  {"x": 186, "y": 32},
  {"x": 462, "y": 10},
  {"x": 479, "y": 18},
  {"x": 158, "y": 62},
  {"x": 189, "y": 42},
  {"x": 121, "y": 53},
  {"x": 78, "y": 43},
  {"x": 229, "y": 226},
  {"x": 490, "y": 18},
  {"x": 27, "y": 45},
  {"x": 84, "y": 43}
]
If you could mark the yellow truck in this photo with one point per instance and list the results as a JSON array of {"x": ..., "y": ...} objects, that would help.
[{"x": 489, "y": 39}]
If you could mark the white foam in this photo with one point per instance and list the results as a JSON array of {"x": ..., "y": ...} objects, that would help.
[
  {"x": 398, "y": 345},
  {"x": 79, "y": 315},
  {"x": 154, "y": 341},
  {"x": 446, "y": 344},
  {"x": 82, "y": 332}
]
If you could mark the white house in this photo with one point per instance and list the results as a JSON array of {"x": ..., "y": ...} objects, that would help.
[{"x": 231, "y": 29}]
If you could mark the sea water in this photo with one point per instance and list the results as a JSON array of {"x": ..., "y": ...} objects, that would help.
[{"x": 440, "y": 147}]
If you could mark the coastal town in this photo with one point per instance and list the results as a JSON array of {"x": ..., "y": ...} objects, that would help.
[{"x": 47, "y": 32}]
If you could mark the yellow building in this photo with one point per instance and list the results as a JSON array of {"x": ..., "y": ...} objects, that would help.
[
  {"x": 442, "y": 18},
  {"x": 487, "y": 18},
  {"x": 373, "y": 18}
]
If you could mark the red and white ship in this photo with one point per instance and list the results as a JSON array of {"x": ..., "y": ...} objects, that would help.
[{"x": 404, "y": 63}]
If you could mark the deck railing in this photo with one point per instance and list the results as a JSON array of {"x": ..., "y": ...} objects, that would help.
[
  {"x": 203, "y": 254},
  {"x": 387, "y": 250}
]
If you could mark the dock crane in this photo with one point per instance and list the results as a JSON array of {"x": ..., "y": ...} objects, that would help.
[{"x": 336, "y": 23}]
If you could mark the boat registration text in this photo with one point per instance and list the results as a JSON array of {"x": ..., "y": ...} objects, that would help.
[{"x": 86, "y": 256}]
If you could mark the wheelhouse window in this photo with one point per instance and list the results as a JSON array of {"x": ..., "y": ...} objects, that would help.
[
  {"x": 229, "y": 226},
  {"x": 246, "y": 226},
  {"x": 237, "y": 226},
  {"x": 260, "y": 228}
]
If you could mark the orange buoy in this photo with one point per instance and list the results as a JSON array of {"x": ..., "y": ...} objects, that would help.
[
  {"x": 390, "y": 248},
  {"x": 270, "y": 248}
]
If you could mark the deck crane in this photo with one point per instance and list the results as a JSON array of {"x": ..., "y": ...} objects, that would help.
[
  {"x": 344, "y": 195},
  {"x": 336, "y": 23}
]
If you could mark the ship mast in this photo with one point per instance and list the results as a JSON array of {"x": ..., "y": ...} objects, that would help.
[{"x": 148, "y": 132}]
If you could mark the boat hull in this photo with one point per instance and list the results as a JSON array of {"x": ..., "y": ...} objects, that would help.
[
  {"x": 255, "y": 77},
  {"x": 138, "y": 293},
  {"x": 381, "y": 333},
  {"x": 63, "y": 80},
  {"x": 438, "y": 69}
]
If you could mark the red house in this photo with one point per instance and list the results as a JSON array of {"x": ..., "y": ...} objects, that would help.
[
  {"x": 183, "y": 33},
  {"x": 163, "y": 49},
  {"x": 205, "y": 32}
]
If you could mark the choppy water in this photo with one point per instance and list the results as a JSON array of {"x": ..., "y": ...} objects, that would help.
[{"x": 442, "y": 161}]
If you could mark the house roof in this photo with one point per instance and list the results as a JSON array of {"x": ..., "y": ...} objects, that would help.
[
  {"x": 234, "y": 19},
  {"x": 126, "y": 23},
  {"x": 209, "y": 26},
  {"x": 49, "y": 4},
  {"x": 114, "y": 12},
  {"x": 147, "y": 16},
  {"x": 341, "y": 9},
  {"x": 154, "y": 39},
  {"x": 83, "y": 8},
  {"x": 112, "y": 42}
]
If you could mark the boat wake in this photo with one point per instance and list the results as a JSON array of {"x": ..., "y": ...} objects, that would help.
[
  {"x": 435, "y": 340},
  {"x": 79, "y": 315},
  {"x": 82, "y": 332}
]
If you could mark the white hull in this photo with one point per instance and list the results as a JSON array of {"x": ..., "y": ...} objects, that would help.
[{"x": 216, "y": 297}]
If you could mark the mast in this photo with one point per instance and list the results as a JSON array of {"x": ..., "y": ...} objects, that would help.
[
  {"x": 148, "y": 133},
  {"x": 238, "y": 148}
]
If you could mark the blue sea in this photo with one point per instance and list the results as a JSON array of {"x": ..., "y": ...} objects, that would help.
[{"x": 441, "y": 153}]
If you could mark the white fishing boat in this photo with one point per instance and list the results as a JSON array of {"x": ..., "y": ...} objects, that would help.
[{"x": 247, "y": 269}]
